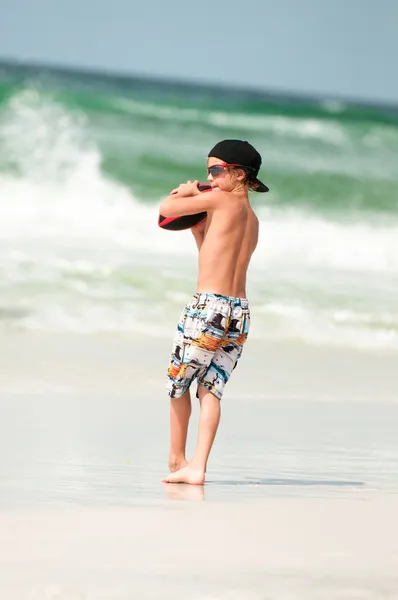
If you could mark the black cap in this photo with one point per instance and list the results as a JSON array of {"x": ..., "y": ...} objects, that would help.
[{"x": 241, "y": 153}]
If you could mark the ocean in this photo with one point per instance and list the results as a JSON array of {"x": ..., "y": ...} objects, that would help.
[{"x": 85, "y": 159}]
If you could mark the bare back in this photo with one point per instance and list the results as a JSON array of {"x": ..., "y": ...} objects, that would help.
[{"x": 230, "y": 238}]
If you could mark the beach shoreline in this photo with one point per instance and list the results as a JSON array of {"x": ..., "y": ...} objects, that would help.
[{"x": 36, "y": 361}]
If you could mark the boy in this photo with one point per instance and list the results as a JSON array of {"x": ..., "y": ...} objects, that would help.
[{"x": 214, "y": 325}]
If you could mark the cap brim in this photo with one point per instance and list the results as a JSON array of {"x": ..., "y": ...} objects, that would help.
[{"x": 261, "y": 187}]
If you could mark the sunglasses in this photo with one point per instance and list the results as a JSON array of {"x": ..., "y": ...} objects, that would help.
[{"x": 216, "y": 170}]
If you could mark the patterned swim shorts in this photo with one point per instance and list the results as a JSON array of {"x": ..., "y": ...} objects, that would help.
[{"x": 208, "y": 343}]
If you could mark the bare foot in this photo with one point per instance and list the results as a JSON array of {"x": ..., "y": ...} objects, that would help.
[
  {"x": 176, "y": 465},
  {"x": 187, "y": 475}
]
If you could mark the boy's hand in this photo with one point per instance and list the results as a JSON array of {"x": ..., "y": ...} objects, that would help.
[{"x": 190, "y": 188}]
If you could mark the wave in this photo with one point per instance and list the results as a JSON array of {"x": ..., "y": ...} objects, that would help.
[
  {"x": 81, "y": 251},
  {"x": 295, "y": 143}
]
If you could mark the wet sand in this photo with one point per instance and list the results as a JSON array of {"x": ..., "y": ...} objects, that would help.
[{"x": 35, "y": 362}]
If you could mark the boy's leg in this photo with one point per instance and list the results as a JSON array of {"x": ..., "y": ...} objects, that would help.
[
  {"x": 209, "y": 419},
  {"x": 179, "y": 376},
  {"x": 210, "y": 411},
  {"x": 180, "y": 412}
]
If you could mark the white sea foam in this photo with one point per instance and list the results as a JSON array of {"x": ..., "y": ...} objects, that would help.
[{"x": 299, "y": 239}]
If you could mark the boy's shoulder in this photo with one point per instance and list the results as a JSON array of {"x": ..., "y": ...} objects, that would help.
[{"x": 232, "y": 197}]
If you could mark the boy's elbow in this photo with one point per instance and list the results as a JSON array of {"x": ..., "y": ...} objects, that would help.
[{"x": 164, "y": 208}]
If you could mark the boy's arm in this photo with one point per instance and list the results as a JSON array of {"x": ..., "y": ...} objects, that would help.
[
  {"x": 198, "y": 232},
  {"x": 188, "y": 200}
]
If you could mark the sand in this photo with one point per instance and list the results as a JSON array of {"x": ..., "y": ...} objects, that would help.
[
  {"x": 300, "y": 502},
  {"x": 278, "y": 548}
]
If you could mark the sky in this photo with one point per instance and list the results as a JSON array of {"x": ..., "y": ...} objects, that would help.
[{"x": 343, "y": 48}]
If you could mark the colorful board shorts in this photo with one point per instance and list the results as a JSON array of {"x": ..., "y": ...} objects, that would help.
[{"x": 208, "y": 343}]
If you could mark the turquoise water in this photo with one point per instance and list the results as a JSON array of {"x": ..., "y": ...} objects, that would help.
[{"x": 86, "y": 158}]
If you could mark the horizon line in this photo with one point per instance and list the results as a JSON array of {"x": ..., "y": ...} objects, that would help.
[{"x": 195, "y": 83}]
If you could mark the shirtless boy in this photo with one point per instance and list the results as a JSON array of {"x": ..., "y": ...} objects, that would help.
[{"x": 214, "y": 326}]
